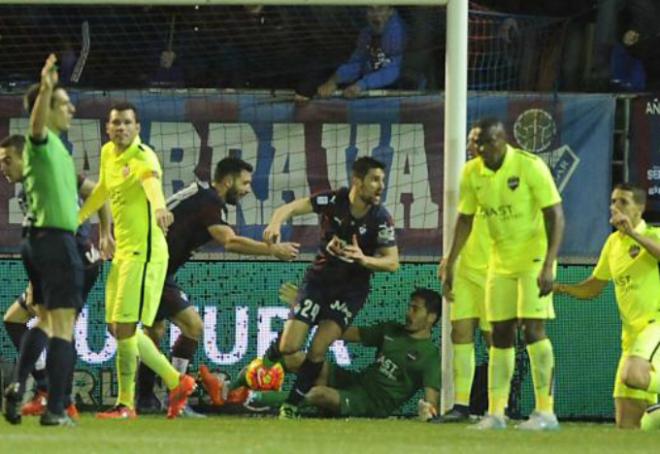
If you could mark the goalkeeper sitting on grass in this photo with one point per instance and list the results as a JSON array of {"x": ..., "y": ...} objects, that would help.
[{"x": 406, "y": 361}]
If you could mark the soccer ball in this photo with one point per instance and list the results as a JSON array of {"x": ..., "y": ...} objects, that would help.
[
  {"x": 262, "y": 378},
  {"x": 651, "y": 418}
]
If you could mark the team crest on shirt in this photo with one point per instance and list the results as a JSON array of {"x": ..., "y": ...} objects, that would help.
[
  {"x": 634, "y": 251},
  {"x": 126, "y": 171},
  {"x": 513, "y": 183}
]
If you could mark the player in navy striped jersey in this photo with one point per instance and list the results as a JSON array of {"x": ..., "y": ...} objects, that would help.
[
  {"x": 200, "y": 217},
  {"x": 357, "y": 239}
]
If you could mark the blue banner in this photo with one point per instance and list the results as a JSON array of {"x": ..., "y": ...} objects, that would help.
[{"x": 298, "y": 149}]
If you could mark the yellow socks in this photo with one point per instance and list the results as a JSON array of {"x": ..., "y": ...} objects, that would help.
[
  {"x": 126, "y": 361},
  {"x": 542, "y": 361},
  {"x": 500, "y": 372},
  {"x": 464, "y": 364},
  {"x": 156, "y": 361}
]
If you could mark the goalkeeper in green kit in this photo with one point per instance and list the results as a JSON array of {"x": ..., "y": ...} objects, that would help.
[{"x": 406, "y": 361}]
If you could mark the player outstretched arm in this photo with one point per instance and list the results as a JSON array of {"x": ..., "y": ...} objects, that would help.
[
  {"x": 93, "y": 202},
  {"x": 39, "y": 114},
  {"x": 227, "y": 238},
  {"x": 461, "y": 235},
  {"x": 591, "y": 287},
  {"x": 298, "y": 207},
  {"x": 386, "y": 260}
]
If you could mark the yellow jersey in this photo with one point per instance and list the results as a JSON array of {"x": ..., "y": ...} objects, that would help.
[
  {"x": 512, "y": 199},
  {"x": 476, "y": 252},
  {"x": 635, "y": 274},
  {"x": 137, "y": 235}
]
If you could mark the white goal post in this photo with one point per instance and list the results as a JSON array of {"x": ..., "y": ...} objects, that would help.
[{"x": 454, "y": 122}]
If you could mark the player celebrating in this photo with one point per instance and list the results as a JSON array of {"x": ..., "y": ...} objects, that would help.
[
  {"x": 22, "y": 310},
  {"x": 523, "y": 210},
  {"x": 630, "y": 259},
  {"x": 357, "y": 239},
  {"x": 49, "y": 250},
  {"x": 406, "y": 361},
  {"x": 130, "y": 176},
  {"x": 198, "y": 218}
]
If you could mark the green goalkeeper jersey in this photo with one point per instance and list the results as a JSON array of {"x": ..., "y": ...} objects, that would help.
[{"x": 403, "y": 365}]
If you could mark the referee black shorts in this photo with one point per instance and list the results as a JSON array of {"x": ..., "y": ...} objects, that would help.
[{"x": 54, "y": 267}]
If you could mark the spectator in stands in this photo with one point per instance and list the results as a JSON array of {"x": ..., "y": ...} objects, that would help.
[
  {"x": 376, "y": 61},
  {"x": 641, "y": 37}
]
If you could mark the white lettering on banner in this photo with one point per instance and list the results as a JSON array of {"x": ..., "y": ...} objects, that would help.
[
  {"x": 653, "y": 173},
  {"x": 264, "y": 336},
  {"x": 211, "y": 334},
  {"x": 653, "y": 107},
  {"x": 82, "y": 347},
  {"x": 265, "y": 333},
  {"x": 289, "y": 145},
  {"x": 177, "y": 146},
  {"x": 411, "y": 188}
]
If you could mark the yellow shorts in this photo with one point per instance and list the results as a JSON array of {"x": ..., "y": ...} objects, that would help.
[
  {"x": 646, "y": 344},
  {"x": 133, "y": 291},
  {"x": 516, "y": 296},
  {"x": 470, "y": 297}
]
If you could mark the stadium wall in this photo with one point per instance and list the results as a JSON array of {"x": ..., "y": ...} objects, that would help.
[{"x": 242, "y": 315}]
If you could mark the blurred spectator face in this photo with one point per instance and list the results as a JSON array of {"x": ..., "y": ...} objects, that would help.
[
  {"x": 377, "y": 16},
  {"x": 167, "y": 59}
]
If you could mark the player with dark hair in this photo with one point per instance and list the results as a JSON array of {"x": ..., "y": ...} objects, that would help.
[
  {"x": 521, "y": 203},
  {"x": 22, "y": 310},
  {"x": 49, "y": 250},
  {"x": 406, "y": 361},
  {"x": 200, "y": 217},
  {"x": 630, "y": 259},
  {"x": 130, "y": 176},
  {"x": 357, "y": 239}
]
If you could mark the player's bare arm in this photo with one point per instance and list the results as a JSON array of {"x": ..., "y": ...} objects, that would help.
[
  {"x": 39, "y": 114},
  {"x": 386, "y": 260},
  {"x": 553, "y": 217},
  {"x": 461, "y": 235},
  {"x": 227, "y": 238},
  {"x": 284, "y": 213},
  {"x": 587, "y": 289}
]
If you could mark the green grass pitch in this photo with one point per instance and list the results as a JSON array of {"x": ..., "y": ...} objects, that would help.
[{"x": 227, "y": 434}]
